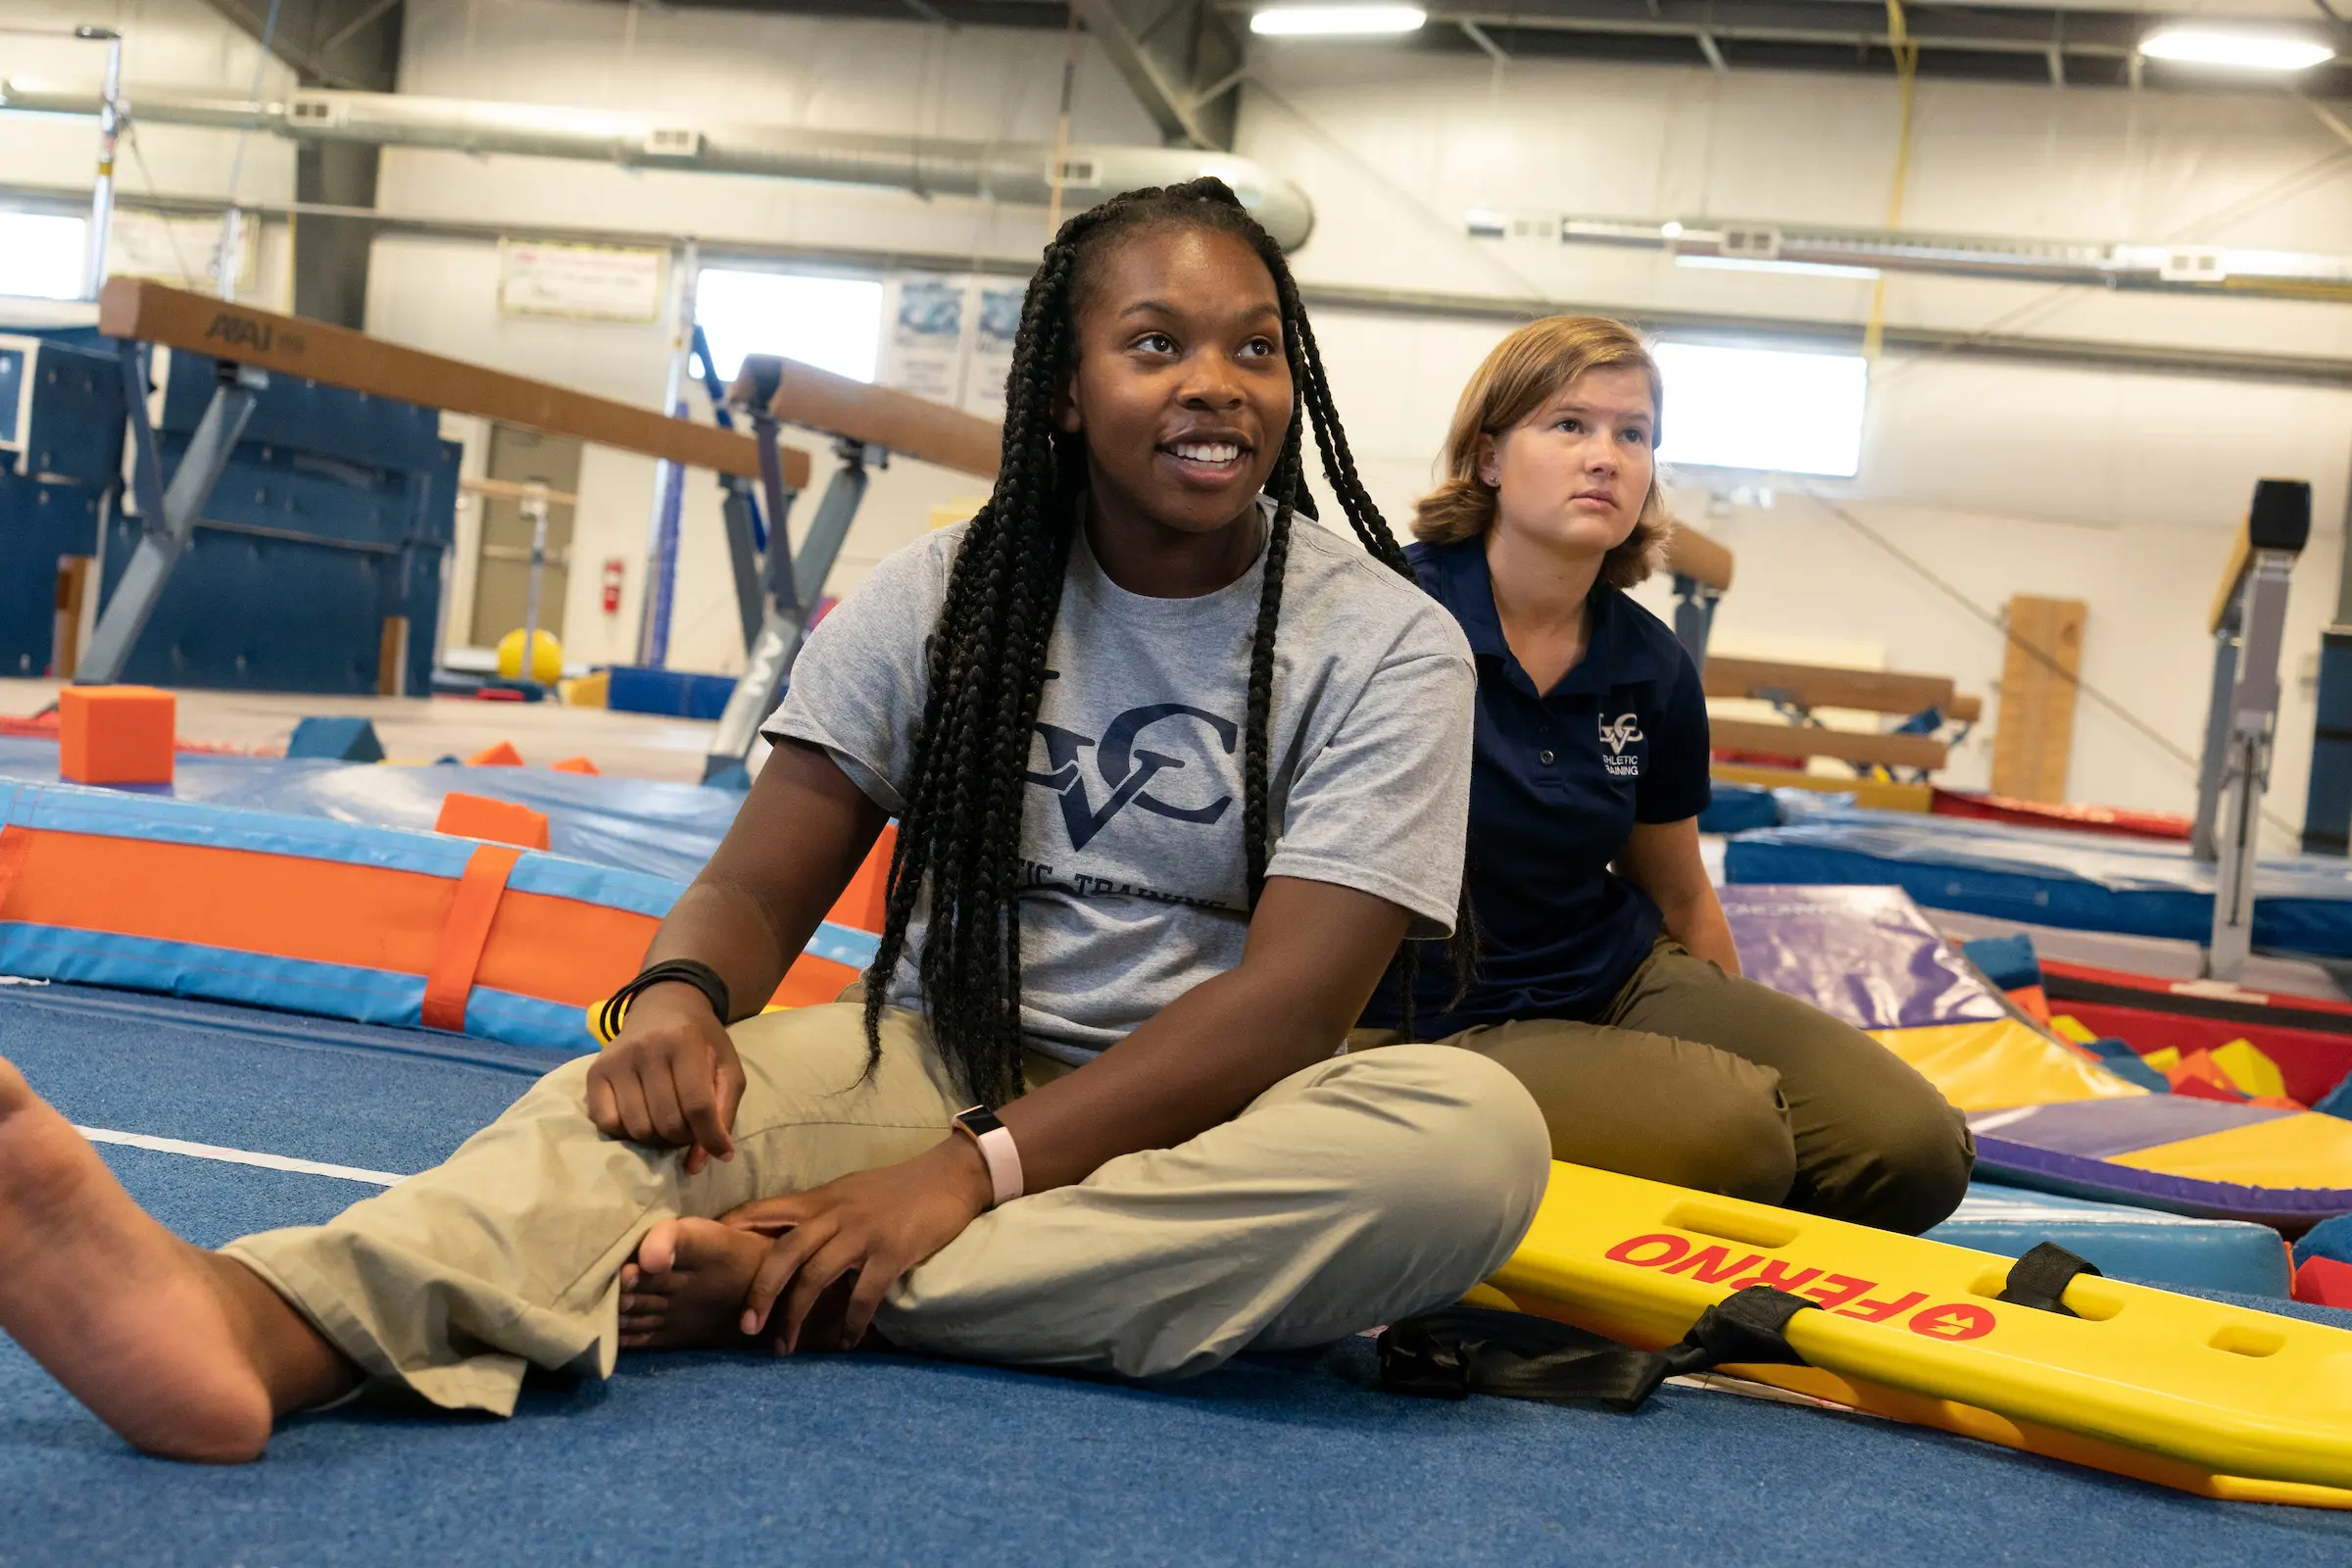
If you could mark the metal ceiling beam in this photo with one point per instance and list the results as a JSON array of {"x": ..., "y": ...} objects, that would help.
[{"x": 1171, "y": 107}]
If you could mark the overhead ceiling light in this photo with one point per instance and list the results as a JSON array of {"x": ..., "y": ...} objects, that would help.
[
  {"x": 2245, "y": 51},
  {"x": 1332, "y": 21},
  {"x": 1745, "y": 263}
]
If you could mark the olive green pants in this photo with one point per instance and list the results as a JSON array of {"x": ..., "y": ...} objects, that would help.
[
  {"x": 1705, "y": 1080},
  {"x": 1359, "y": 1190}
]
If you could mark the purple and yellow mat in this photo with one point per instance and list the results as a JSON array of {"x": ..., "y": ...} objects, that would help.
[{"x": 2045, "y": 1115}]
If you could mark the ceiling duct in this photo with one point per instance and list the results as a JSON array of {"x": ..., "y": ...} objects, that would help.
[
  {"x": 1021, "y": 173},
  {"x": 2207, "y": 269}
]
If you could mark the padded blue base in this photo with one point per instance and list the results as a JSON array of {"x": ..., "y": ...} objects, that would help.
[
  {"x": 2048, "y": 876},
  {"x": 2171, "y": 1250}
]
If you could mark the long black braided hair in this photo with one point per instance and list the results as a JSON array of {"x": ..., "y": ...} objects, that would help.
[{"x": 959, "y": 831}]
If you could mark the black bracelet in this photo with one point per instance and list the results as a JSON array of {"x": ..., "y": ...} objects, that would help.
[{"x": 613, "y": 1010}]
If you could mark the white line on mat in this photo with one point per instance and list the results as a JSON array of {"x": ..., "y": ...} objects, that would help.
[{"x": 238, "y": 1156}]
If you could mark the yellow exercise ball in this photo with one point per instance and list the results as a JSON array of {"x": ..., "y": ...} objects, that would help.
[{"x": 547, "y": 656}]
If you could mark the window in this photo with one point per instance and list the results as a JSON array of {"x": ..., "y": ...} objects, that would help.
[
  {"x": 834, "y": 324},
  {"x": 1774, "y": 409},
  {"x": 42, "y": 255}
]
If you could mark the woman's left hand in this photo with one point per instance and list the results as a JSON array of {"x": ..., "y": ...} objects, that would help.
[{"x": 875, "y": 1223}]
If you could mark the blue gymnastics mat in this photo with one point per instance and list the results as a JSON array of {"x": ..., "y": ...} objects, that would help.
[
  {"x": 2175, "y": 1251},
  {"x": 2048, "y": 876},
  {"x": 886, "y": 1459}
]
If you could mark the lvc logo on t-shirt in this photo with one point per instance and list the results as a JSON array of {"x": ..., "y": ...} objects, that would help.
[{"x": 1616, "y": 736}]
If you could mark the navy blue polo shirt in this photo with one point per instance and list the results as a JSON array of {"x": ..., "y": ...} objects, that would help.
[{"x": 1558, "y": 783}]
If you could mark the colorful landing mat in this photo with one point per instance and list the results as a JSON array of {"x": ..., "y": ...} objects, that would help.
[
  {"x": 2137, "y": 887},
  {"x": 341, "y": 920},
  {"x": 630, "y": 824},
  {"x": 2046, "y": 1114}
]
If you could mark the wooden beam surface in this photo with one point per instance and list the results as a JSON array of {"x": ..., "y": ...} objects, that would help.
[
  {"x": 1691, "y": 554},
  {"x": 509, "y": 490},
  {"x": 906, "y": 425},
  {"x": 335, "y": 355},
  {"x": 1875, "y": 690},
  {"x": 1846, "y": 744}
]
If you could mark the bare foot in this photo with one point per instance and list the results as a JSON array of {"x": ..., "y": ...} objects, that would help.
[
  {"x": 685, "y": 1289},
  {"x": 685, "y": 1292},
  {"x": 129, "y": 1318}
]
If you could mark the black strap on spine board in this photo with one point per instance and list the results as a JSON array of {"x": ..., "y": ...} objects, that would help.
[{"x": 1460, "y": 1350}]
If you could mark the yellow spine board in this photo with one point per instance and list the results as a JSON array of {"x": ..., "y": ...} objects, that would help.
[{"x": 2189, "y": 1394}]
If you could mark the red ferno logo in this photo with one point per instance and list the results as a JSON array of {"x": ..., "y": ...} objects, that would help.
[{"x": 1845, "y": 1295}]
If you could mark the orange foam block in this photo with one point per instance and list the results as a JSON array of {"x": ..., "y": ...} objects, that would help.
[
  {"x": 503, "y": 754},
  {"x": 115, "y": 734},
  {"x": 574, "y": 765},
  {"x": 479, "y": 816}
]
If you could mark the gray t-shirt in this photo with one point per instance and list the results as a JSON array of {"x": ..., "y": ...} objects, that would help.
[{"x": 1135, "y": 888}]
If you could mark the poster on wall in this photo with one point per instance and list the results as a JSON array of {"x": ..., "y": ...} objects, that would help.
[
  {"x": 928, "y": 338},
  {"x": 998, "y": 323},
  {"x": 580, "y": 282},
  {"x": 184, "y": 252}
]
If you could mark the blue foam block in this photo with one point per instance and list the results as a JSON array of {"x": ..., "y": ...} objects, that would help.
[
  {"x": 2143, "y": 1246},
  {"x": 2007, "y": 961},
  {"x": 341, "y": 740},
  {"x": 1739, "y": 808}
]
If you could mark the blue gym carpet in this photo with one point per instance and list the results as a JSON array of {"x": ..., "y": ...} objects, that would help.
[{"x": 699, "y": 1458}]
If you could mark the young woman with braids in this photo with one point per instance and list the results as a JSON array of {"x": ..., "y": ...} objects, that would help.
[
  {"x": 1174, "y": 779},
  {"x": 1607, "y": 977}
]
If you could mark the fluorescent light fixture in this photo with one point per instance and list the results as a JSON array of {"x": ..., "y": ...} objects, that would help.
[
  {"x": 1671, "y": 230},
  {"x": 1749, "y": 264},
  {"x": 1777, "y": 411},
  {"x": 42, "y": 255},
  {"x": 834, "y": 324},
  {"x": 2243, "y": 51},
  {"x": 1335, "y": 22}
]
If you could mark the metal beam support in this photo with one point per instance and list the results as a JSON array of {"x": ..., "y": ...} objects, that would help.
[
  {"x": 1714, "y": 53},
  {"x": 1478, "y": 36},
  {"x": 1694, "y": 616},
  {"x": 2253, "y": 718},
  {"x": 785, "y": 626},
  {"x": 1172, "y": 109},
  {"x": 2213, "y": 760},
  {"x": 172, "y": 523}
]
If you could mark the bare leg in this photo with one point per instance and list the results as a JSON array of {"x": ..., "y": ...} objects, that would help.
[
  {"x": 685, "y": 1292},
  {"x": 186, "y": 1355}
]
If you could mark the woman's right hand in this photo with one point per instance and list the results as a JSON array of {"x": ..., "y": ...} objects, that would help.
[{"x": 669, "y": 1078}]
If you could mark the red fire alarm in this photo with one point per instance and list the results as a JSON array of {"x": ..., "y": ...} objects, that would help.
[{"x": 614, "y": 570}]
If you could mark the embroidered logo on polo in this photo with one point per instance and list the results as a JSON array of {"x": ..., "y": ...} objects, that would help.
[
  {"x": 1617, "y": 735},
  {"x": 1125, "y": 768}
]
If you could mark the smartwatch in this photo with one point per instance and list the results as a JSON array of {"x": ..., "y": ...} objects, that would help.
[{"x": 995, "y": 1142}]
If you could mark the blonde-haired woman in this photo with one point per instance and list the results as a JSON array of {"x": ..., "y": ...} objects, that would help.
[{"x": 1605, "y": 977}]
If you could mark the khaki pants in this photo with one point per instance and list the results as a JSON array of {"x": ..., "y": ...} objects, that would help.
[
  {"x": 1704, "y": 1080},
  {"x": 1359, "y": 1189}
]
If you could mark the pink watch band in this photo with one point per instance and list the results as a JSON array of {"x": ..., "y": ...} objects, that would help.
[
  {"x": 994, "y": 1140},
  {"x": 1004, "y": 1165}
]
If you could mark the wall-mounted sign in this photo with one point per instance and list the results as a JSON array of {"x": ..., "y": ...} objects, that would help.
[{"x": 580, "y": 282}]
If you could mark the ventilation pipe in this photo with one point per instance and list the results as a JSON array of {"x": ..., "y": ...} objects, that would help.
[
  {"x": 2208, "y": 270},
  {"x": 1021, "y": 173}
]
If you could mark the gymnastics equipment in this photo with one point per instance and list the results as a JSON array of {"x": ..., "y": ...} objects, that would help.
[
  {"x": 378, "y": 925},
  {"x": 865, "y": 424},
  {"x": 334, "y": 435},
  {"x": 341, "y": 740},
  {"x": 481, "y": 816},
  {"x": 61, "y": 455},
  {"x": 115, "y": 735},
  {"x": 1701, "y": 570},
  {"x": 2047, "y": 1114},
  {"x": 545, "y": 658},
  {"x": 2205, "y": 1397},
  {"x": 1925, "y": 703},
  {"x": 2248, "y": 622}
]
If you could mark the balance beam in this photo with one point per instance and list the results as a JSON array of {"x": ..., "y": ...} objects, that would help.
[
  {"x": 1693, "y": 554},
  {"x": 876, "y": 416},
  {"x": 1873, "y": 691},
  {"x": 1846, "y": 744},
  {"x": 147, "y": 311}
]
